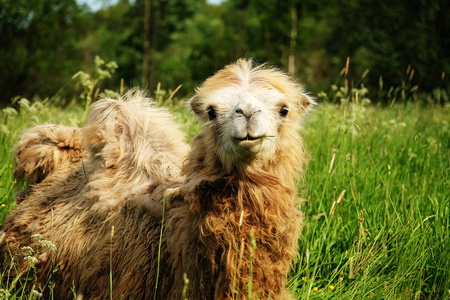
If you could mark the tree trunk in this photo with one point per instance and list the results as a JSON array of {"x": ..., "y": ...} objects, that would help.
[
  {"x": 146, "y": 50},
  {"x": 293, "y": 42}
]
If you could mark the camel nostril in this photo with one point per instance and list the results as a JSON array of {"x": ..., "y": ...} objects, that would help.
[{"x": 247, "y": 113}]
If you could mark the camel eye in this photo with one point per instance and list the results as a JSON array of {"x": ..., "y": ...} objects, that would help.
[
  {"x": 211, "y": 113},
  {"x": 284, "y": 111}
]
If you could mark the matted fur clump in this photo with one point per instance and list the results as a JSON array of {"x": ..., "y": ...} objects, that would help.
[{"x": 101, "y": 193}]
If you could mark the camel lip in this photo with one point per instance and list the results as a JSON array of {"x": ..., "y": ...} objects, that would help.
[
  {"x": 247, "y": 138},
  {"x": 250, "y": 145}
]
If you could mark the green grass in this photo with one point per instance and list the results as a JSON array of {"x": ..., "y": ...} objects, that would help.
[
  {"x": 387, "y": 238},
  {"x": 12, "y": 123}
]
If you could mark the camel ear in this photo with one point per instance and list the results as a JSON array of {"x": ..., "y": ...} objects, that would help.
[
  {"x": 195, "y": 105},
  {"x": 306, "y": 102}
]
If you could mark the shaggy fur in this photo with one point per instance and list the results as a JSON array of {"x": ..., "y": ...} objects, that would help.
[{"x": 100, "y": 194}]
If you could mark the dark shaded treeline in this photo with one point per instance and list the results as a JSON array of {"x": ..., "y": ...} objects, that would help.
[{"x": 43, "y": 43}]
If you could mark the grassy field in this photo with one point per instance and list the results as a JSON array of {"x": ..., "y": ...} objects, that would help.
[
  {"x": 387, "y": 237},
  {"x": 377, "y": 190}
]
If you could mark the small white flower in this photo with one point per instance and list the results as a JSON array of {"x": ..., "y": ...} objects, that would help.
[
  {"x": 4, "y": 130},
  {"x": 27, "y": 250},
  {"x": 36, "y": 293},
  {"x": 37, "y": 237},
  {"x": 4, "y": 294},
  {"x": 31, "y": 260},
  {"x": 24, "y": 104},
  {"x": 9, "y": 111},
  {"x": 47, "y": 245}
]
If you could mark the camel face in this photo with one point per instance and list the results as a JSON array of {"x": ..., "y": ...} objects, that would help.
[
  {"x": 251, "y": 113},
  {"x": 248, "y": 119}
]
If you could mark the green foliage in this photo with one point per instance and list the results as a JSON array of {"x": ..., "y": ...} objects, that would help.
[
  {"x": 39, "y": 47},
  {"x": 44, "y": 42},
  {"x": 408, "y": 33},
  {"x": 102, "y": 70}
]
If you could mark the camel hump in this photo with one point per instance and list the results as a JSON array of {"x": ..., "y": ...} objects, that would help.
[
  {"x": 44, "y": 149},
  {"x": 132, "y": 133}
]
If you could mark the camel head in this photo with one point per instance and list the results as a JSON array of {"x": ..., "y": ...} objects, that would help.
[{"x": 250, "y": 113}]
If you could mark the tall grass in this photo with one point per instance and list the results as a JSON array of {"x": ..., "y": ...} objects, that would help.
[
  {"x": 388, "y": 237},
  {"x": 13, "y": 121},
  {"x": 377, "y": 213}
]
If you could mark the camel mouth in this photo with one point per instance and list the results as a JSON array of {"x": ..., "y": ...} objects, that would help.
[
  {"x": 249, "y": 144},
  {"x": 248, "y": 138}
]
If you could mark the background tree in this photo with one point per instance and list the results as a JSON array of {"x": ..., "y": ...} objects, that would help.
[
  {"x": 39, "y": 48},
  {"x": 386, "y": 37},
  {"x": 44, "y": 42}
]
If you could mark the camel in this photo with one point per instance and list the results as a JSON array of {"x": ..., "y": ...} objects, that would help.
[{"x": 134, "y": 212}]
